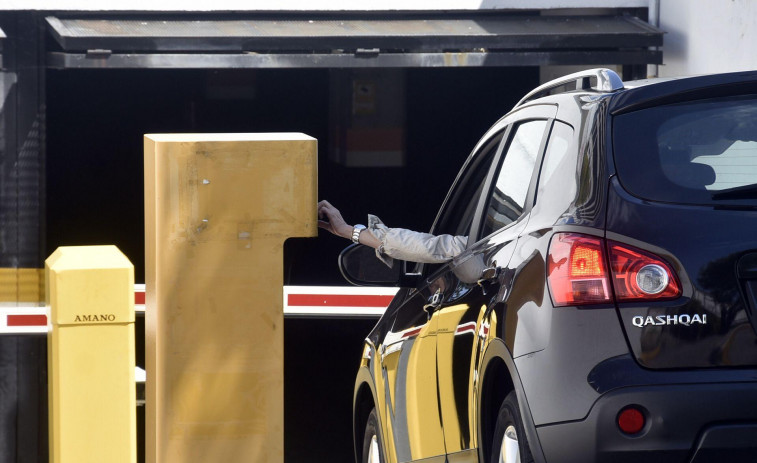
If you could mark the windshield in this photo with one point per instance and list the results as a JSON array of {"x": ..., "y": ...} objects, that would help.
[{"x": 699, "y": 152}]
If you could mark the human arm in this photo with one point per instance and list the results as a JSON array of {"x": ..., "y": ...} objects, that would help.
[
  {"x": 394, "y": 243},
  {"x": 413, "y": 246}
]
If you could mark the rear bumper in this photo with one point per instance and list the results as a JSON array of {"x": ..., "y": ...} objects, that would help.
[{"x": 694, "y": 423}]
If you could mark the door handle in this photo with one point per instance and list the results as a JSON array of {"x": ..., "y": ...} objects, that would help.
[{"x": 434, "y": 302}]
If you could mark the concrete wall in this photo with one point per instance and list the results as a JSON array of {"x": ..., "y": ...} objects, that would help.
[{"x": 708, "y": 36}]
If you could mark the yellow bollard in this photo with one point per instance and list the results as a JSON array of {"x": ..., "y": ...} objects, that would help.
[
  {"x": 218, "y": 208},
  {"x": 92, "y": 409}
]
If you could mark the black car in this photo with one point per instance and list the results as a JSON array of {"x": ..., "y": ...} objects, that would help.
[{"x": 605, "y": 309}]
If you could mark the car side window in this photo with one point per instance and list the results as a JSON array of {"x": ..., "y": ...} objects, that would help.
[
  {"x": 508, "y": 198},
  {"x": 459, "y": 209},
  {"x": 558, "y": 167},
  {"x": 457, "y": 216}
]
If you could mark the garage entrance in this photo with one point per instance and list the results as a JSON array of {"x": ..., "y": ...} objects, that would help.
[
  {"x": 96, "y": 119},
  {"x": 396, "y": 104}
]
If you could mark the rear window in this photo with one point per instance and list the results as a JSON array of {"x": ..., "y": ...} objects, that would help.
[{"x": 699, "y": 152}]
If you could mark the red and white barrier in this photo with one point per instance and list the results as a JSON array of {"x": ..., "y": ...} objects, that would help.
[
  {"x": 28, "y": 318},
  {"x": 139, "y": 298},
  {"x": 336, "y": 301},
  {"x": 299, "y": 301}
]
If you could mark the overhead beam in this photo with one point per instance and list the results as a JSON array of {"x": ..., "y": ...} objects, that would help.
[
  {"x": 57, "y": 60},
  {"x": 322, "y": 35}
]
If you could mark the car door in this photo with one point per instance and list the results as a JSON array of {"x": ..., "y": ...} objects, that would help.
[
  {"x": 479, "y": 279},
  {"x": 412, "y": 423},
  {"x": 413, "y": 426}
]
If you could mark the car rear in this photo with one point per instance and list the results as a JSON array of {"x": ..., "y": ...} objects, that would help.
[{"x": 681, "y": 242}]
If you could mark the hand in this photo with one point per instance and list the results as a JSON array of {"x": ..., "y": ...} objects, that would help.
[{"x": 333, "y": 222}]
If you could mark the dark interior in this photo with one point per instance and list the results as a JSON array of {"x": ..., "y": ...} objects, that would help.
[
  {"x": 95, "y": 123},
  {"x": 96, "y": 120}
]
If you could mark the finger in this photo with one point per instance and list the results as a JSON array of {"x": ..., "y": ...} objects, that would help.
[
  {"x": 326, "y": 212},
  {"x": 331, "y": 214},
  {"x": 325, "y": 216}
]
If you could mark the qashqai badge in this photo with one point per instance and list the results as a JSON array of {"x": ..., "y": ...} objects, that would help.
[{"x": 665, "y": 320}]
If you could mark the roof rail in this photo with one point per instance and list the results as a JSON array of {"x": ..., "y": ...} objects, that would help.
[{"x": 607, "y": 81}]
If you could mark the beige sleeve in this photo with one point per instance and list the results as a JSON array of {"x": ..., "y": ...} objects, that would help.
[{"x": 412, "y": 246}]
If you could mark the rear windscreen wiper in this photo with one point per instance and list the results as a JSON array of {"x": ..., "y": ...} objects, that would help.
[{"x": 739, "y": 192}]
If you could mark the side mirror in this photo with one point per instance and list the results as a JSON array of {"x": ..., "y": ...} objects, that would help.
[{"x": 360, "y": 267}]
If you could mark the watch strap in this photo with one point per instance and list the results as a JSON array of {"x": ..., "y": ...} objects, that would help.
[{"x": 356, "y": 232}]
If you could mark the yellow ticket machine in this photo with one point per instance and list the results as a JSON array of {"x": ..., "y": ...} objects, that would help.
[{"x": 218, "y": 208}]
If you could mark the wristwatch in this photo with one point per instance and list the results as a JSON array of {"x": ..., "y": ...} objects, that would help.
[{"x": 356, "y": 232}]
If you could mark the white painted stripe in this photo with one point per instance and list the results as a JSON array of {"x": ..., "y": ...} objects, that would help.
[
  {"x": 23, "y": 330},
  {"x": 22, "y": 305},
  {"x": 308, "y": 311},
  {"x": 360, "y": 290},
  {"x": 140, "y": 376}
]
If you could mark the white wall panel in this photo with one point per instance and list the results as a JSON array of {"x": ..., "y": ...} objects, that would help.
[{"x": 708, "y": 36}]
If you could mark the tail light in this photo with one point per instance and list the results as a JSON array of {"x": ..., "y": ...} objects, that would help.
[
  {"x": 577, "y": 272},
  {"x": 639, "y": 275}
]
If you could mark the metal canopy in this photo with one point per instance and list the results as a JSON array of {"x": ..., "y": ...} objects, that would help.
[{"x": 478, "y": 41}]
